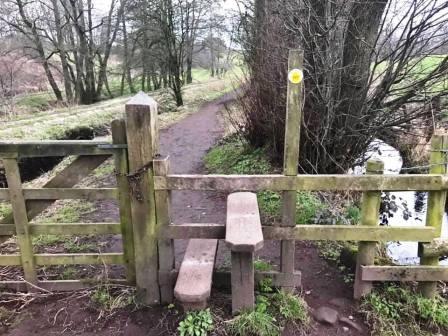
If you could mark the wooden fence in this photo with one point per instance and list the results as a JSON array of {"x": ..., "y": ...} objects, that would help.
[{"x": 144, "y": 184}]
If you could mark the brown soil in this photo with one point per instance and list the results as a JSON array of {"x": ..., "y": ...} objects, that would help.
[{"x": 186, "y": 142}]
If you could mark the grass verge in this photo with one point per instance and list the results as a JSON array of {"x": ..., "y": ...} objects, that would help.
[{"x": 396, "y": 311}]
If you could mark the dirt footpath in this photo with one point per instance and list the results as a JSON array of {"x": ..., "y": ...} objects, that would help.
[{"x": 186, "y": 142}]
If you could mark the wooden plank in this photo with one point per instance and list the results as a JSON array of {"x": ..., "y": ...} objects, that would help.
[
  {"x": 21, "y": 221},
  {"x": 67, "y": 178},
  {"x": 10, "y": 260},
  {"x": 309, "y": 232},
  {"x": 122, "y": 170},
  {"x": 243, "y": 225},
  {"x": 166, "y": 246},
  {"x": 222, "y": 279},
  {"x": 80, "y": 259},
  {"x": 291, "y": 157},
  {"x": 437, "y": 248},
  {"x": 303, "y": 182},
  {"x": 243, "y": 283},
  {"x": 435, "y": 206},
  {"x": 65, "y": 229},
  {"x": 194, "y": 282},
  {"x": 404, "y": 273},
  {"x": 7, "y": 230},
  {"x": 90, "y": 194},
  {"x": 67, "y": 259},
  {"x": 45, "y": 148},
  {"x": 75, "y": 228},
  {"x": 194, "y": 230},
  {"x": 60, "y": 285},
  {"x": 370, "y": 207},
  {"x": 142, "y": 139}
]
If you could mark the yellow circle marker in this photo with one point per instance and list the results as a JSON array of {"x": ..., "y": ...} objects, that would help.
[{"x": 295, "y": 76}]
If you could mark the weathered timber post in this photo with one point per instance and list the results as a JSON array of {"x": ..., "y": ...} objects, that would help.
[
  {"x": 122, "y": 170},
  {"x": 291, "y": 155},
  {"x": 143, "y": 144},
  {"x": 166, "y": 246},
  {"x": 370, "y": 207},
  {"x": 436, "y": 205},
  {"x": 21, "y": 221}
]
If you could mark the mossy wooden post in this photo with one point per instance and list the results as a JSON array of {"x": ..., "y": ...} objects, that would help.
[
  {"x": 21, "y": 221},
  {"x": 370, "y": 207},
  {"x": 291, "y": 154},
  {"x": 142, "y": 138},
  {"x": 166, "y": 246},
  {"x": 436, "y": 205},
  {"x": 121, "y": 170}
]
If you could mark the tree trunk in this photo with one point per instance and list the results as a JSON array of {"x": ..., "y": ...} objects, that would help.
[{"x": 62, "y": 52}]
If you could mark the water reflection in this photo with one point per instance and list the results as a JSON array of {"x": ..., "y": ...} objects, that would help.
[{"x": 404, "y": 208}]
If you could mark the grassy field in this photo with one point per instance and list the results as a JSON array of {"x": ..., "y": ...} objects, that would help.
[{"x": 54, "y": 123}]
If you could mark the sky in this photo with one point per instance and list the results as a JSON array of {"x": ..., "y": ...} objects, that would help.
[{"x": 103, "y": 5}]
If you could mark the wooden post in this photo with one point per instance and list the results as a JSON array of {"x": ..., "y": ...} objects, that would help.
[
  {"x": 122, "y": 169},
  {"x": 21, "y": 221},
  {"x": 142, "y": 136},
  {"x": 166, "y": 246},
  {"x": 291, "y": 157},
  {"x": 242, "y": 279},
  {"x": 436, "y": 206},
  {"x": 371, "y": 201}
]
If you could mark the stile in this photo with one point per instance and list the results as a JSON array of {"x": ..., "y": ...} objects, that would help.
[
  {"x": 291, "y": 159},
  {"x": 21, "y": 221},
  {"x": 121, "y": 170},
  {"x": 371, "y": 201},
  {"x": 142, "y": 138},
  {"x": 436, "y": 206},
  {"x": 166, "y": 246}
]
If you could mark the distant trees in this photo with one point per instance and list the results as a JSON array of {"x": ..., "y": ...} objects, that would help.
[
  {"x": 69, "y": 30},
  {"x": 369, "y": 72},
  {"x": 165, "y": 33},
  {"x": 152, "y": 43}
]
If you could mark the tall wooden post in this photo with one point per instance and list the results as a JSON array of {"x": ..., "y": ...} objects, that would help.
[
  {"x": 436, "y": 205},
  {"x": 143, "y": 144},
  {"x": 291, "y": 154},
  {"x": 166, "y": 246},
  {"x": 122, "y": 169},
  {"x": 370, "y": 207},
  {"x": 21, "y": 221}
]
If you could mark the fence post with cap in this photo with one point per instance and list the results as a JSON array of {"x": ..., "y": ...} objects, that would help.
[{"x": 143, "y": 146}]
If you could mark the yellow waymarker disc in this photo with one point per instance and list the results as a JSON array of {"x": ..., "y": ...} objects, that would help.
[{"x": 295, "y": 76}]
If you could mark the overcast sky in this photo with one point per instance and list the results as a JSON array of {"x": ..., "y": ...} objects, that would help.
[{"x": 103, "y": 5}]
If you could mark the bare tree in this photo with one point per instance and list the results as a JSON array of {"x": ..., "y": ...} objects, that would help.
[{"x": 369, "y": 72}]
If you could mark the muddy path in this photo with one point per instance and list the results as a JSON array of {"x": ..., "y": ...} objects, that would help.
[{"x": 186, "y": 142}]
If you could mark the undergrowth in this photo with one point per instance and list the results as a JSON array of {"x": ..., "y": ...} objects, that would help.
[
  {"x": 234, "y": 156},
  {"x": 397, "y": 311},
  {"x": 270, "y": 315},
  {"x": 196, "y": 323}
]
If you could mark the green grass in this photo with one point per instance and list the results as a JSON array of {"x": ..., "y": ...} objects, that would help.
[
  {"x": 68, "y": 212},
  {"x": 234, "y": 156},
  {"x": 262, "y": 266},
  {"x": 35, "y": 102},
  {"x": 109, "y": 298},
  {"x": 397, "y": 311},
  {"x": 270, "y": 315},
  {"x": 5, "y": 209},
  {"x": 54, "y": 123},
  {"x": 200, "y": 75}
]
